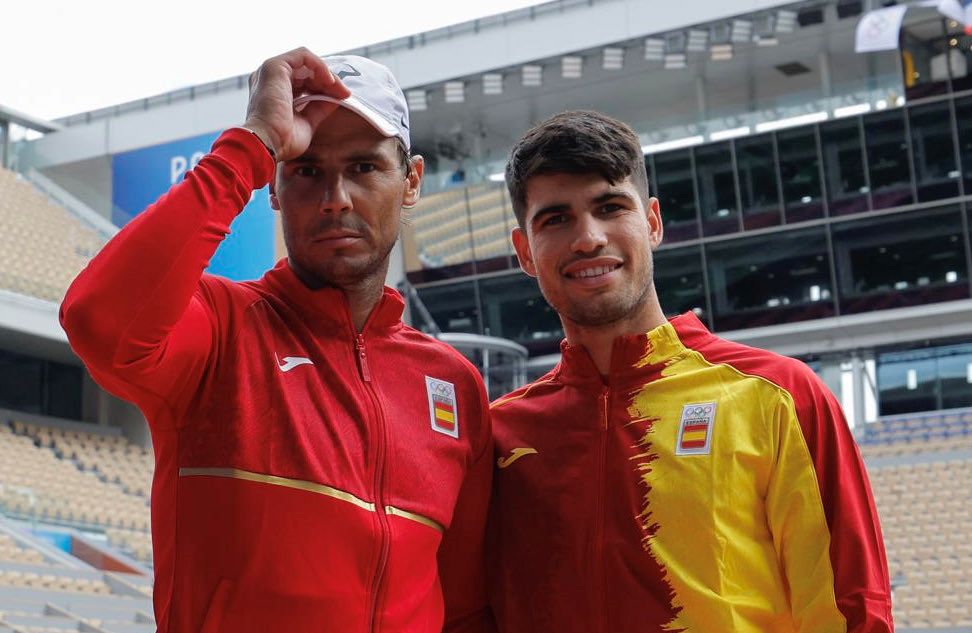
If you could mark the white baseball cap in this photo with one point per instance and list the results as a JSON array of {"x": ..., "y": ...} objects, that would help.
[{"x": 375, "y": 95}]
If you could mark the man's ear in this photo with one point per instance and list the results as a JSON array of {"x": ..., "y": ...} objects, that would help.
[
  {"x": 656, "y": 229},
  {"x": 413, "y": 182},
  {"x": 274, "y": 203},
  {"x": 522, "y": 247}
]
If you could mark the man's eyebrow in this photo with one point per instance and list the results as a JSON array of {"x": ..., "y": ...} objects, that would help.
[
  {"x": 611, "y": 194},
  {"x": 365, "y": 156}
]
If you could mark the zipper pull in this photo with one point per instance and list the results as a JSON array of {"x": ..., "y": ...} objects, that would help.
[
  {"x": 362, "y": 358},
  {"x": 605, "y": 396}
]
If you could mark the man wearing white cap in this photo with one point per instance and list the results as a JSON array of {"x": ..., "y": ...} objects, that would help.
[{"x": 319, "y": 465}]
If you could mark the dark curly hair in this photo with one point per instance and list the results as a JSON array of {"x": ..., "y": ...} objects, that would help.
[{"x": 575, "y": 142}]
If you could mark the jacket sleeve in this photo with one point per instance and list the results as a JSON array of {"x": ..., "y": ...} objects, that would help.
[
  {"x": 462, "y": 562},
  {"x": 823, "y": 518},
  {"x": 136, "y": 315}
]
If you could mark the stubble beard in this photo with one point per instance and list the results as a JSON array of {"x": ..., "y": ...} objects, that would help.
[
  {"x": 347, "y": 273},
  {"x": 608, "y": 308}
]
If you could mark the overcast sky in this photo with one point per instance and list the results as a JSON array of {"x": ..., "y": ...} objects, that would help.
[{"x": 63, "y": 57}]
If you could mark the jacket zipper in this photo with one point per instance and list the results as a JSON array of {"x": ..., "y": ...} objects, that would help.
[
  {"x": 359, "y": 347},
  {"x": 365, "y": 371},
  {"x": 599, "y": 513}
]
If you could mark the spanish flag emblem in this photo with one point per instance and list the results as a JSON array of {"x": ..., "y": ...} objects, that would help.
[
  {"x": 695, "y": 429},
  {"x": 443, "y": 412}
]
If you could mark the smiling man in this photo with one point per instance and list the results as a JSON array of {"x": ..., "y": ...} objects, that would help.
[
  {"x": 661, "y": 478},
  {"x": 319, "y": 465}
]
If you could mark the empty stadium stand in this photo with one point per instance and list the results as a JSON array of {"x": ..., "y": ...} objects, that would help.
[
  {"x": 78, "y": 478},
  {"x": 921, "y": 472},
  {"x": 42, "y": 245},
  {"x": 43, "y": 590}
]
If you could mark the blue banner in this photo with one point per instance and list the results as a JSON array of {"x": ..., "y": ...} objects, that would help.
[{"x": 141, "y": 176}]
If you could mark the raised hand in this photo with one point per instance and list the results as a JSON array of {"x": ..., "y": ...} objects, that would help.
[{"x": 274, "y": 86}]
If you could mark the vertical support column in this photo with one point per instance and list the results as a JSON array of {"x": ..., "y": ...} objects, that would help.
[
  {"x": 826, "y": 82},
  {"x": 5, "y": 144},
  {"x": 857, "y": 373},
  {"x": 702, "y": 102}
]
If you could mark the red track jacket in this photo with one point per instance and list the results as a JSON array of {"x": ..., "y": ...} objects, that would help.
[{"x": 307, "y": 477}]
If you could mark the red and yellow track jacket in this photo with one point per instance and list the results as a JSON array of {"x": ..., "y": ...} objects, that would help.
[
  {"x": 307, "y": 476},
  {"x": 703, "y": 486}
]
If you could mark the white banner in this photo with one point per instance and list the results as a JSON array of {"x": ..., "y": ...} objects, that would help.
[{"x": 878, "y": 30}]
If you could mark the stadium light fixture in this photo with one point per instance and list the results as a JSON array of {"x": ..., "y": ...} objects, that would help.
[
  {"x": 532, "y": 75},
  {"x": 455, "y": 92},
  {"x": 654, "y": 49},
  {"x": 720, "y": 52},
  {"x": 851, "y": 110},
  {"x": 492, "y": 84},
  {"x": 612, "y": 58},
  {"x": 765, "y": 31},
  {"x": 674, "y": 61},
  {"x": 571, "y": 66},
  {"x": 697, "y": 40},
  {"x": 735, "y": 132},
  {"x": 418, "y": 100},
  {"x": 785, "y": 21},
  {"x": 497, "y": 177},
  {"x": 803, "y": 119},
  {"x": 675, "y": 42},
  {"x": 742, "y": 31},
  {"x": 673, "y": 144}
]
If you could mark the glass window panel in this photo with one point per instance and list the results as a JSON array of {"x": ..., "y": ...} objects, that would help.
[
  {"x": 843, "y": 161},
  {"x": 762, "y": 281},
  {"x": 21, "y": 382},
  {"x": 887, "y": 159},
  {"x": 676, "y": 195},
  {"x": 514, "y": 309},
  {"x": 901, "y": 260},
  {"x": 759, "y": 190},
  {"x": 63, "y": 391},
  {"x": 955, "y": 375},
  {"x": 452, "y": 306},
  {"x": 679, "y": 282},
  {"x": 934, "y": 151},
  {"x": 907, "y": 382},
  {"x": 800, "y": 173},
  {"x": 716, "y": 189},
  {"x": 963, "y": 115}
]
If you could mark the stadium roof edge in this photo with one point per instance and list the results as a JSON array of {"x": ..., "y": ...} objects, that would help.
[
  {"x": 383, "y": 49},
  {"x": 28, "y": 121}
]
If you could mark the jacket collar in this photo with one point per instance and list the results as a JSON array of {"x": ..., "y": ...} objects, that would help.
[
  {"x": 330, "y": 304},
  {"x": 640, "y": 357}
]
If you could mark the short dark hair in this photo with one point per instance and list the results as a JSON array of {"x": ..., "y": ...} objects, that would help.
[{"x": 575, "y": 142}]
